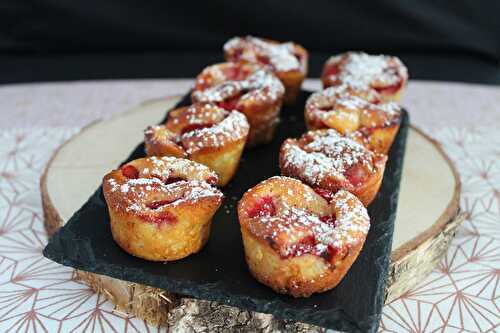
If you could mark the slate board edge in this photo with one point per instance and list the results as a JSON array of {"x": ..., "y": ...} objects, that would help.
[{"x": 337, "y": 319}]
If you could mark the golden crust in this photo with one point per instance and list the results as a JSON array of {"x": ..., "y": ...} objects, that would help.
[
  {"x": 348, "y": 110},
  {"x": 386, "y": 74},
  {"x": 328, "y": 161},
  {"x": 289, "y": 61},
  {"x": 203, "y": 133},
  {"x": 380, "y": 139},
  {"x": 161, "y": 208},
  {"x": 248, "y": 88},
  {"x": 274, "y": 245},
  {"x": 300, "y": 276}
]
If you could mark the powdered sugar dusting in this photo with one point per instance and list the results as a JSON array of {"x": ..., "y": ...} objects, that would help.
[
  {"x": 198, "y": 127},
  {"x": 361, "y": 107},
  {"x": 342, "y": 94},
  {"x": 175, "y": 193},
  {"x": 361, "y": 70},
  {"x": 322, "y": 154},
  {"x": 295, "y": 230},
  {"x": 281, "y": 56},
  {"x": 168, "y": 182},
  {"x": 352, "y": 220},
  {"x": 233, "y": 128},
  {"x": 391, "y": 108},
  {"x": 261, "y": 85},
  {"x": 166, "y": 166}
]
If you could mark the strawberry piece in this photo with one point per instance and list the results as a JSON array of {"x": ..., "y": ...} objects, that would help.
[
  {"x": 130, "y": 171},
  {"x": 330, "y": 253},
  {"x": 329, "y": 219},
  {"x": 194, "y": 127},
  {"x": 303, "y": 246},
  {"x": 169, "y": 180},
  {"x": 325, "y": 108},
  {"x": 172, "y": 180},
  {"x": 331, "y": 70},
  {"x": 230, "y": 103},
  {"x": 235, "y": 73},
  {"x": 264, "y": 207},
  {"x": 326, "y": 194},
  {"x": 356, "y": 175},
  {"x": 263, "y": 59},
  {"x": 236, "y": 54},
  {"x": 159, "y": 203},
  {"x": 389, "y": 90},
  {"x": 212, "y": 180}
]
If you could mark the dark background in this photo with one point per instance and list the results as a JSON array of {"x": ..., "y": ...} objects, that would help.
[{"x": 45, "y": 40}]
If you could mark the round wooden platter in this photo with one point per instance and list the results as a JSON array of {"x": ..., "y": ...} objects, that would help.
[{"x": 426, "y": 220}]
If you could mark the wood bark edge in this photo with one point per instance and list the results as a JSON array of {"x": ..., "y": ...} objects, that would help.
[{"x": 426, "y": 249}]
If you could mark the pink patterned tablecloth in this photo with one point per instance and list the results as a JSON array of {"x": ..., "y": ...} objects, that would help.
[{"x": 36, "y": 295}]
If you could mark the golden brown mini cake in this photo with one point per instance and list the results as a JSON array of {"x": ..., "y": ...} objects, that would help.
[
  {"x": 386, "y": 74},
  {"x": 204, "y": 133},
  {"x": 248, "y": 88},
  {"x": 287, "y": 60},
  {"x": 297, "y": 242},
  {"x": 336, "y": 107},
  {"x": 329, "y": 162},
  {"x": 161, "y": 208}
]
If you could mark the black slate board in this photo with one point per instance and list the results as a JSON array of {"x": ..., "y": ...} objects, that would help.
[{"x": 219, "y": 271}]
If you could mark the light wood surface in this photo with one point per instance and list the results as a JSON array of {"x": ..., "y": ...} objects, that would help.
[{"x": 426, "y": 220}]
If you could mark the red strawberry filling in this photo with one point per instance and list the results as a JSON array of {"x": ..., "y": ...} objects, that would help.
[
  {"x": 212, "y": 180},
  {"x": 326, "y": 194},
  {"x": 263, "y": 59},
  {"x": 159, "y": 203},
  {"x": 236, "y": 54},
  {"x": 303, "y": 246},
  {"x": 263, "y": 207},
  {"x": 159, "y": 217},
  {"x": 164, "y": 217},
  {"x": 235, "y": 73},
  {"x": 172, "y": 180},
  {"x": 356, "y": 175},
  {"x": 231, "y": 103},
  {"x": 130, "y": 171},
  {"x": 329, "y": 219},
  {"x": 388, "y": 90},
  {"x": 169, "y": 180},
  {"x": 308, "y": 244},
  {"x": 329, "y": 253},
  {"x": 325, "y": 108},
  {"x": 331, "y": 70},
  {"x": 194, "y": 127}
]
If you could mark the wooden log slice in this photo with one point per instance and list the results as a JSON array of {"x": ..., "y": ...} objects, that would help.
[{"x": 425, "y": 224}]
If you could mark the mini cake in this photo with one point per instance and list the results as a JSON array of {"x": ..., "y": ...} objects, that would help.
[
  {"x": 329, "y": 162},
  {"x": 204, "y": 133},
  {"x": 297, "y": 242},
  {"x": 386, "y": 74},
  {"x": 337, "y": 108},
  {"x": 287, "y": 60},
  {"x": 248, "y": 88},
  {"x": 161, "y": 209}
]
